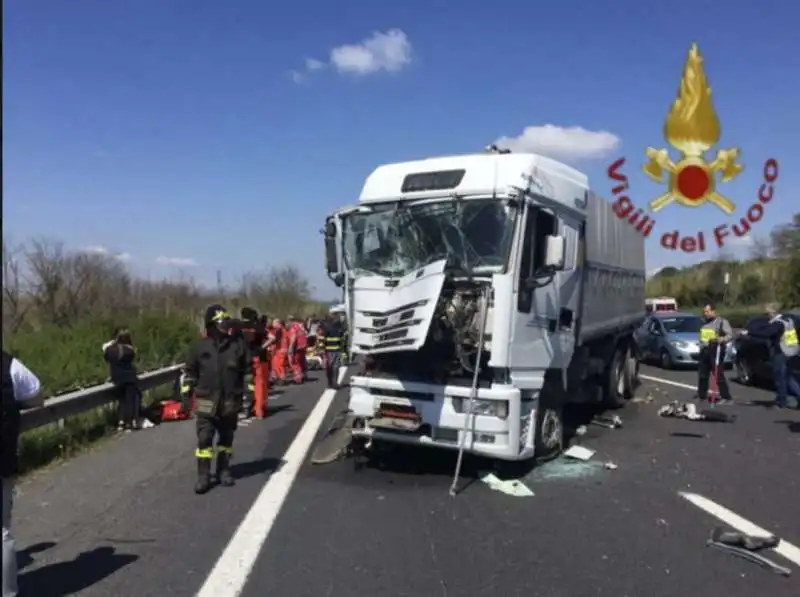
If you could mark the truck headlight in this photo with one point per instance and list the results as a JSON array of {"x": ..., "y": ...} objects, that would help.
[{"x": 488, "y": 408}]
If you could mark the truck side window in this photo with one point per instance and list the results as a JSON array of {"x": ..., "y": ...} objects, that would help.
[{"x": 538, "y": 225}]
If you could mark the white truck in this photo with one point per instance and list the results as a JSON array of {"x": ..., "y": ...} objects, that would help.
[{"x": 483, "y": 293}]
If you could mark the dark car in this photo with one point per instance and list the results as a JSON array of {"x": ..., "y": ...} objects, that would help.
[{"x": 752, "y": 362}]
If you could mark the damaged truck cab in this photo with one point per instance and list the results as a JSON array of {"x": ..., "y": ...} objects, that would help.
[{"x": 484, "y": 292}]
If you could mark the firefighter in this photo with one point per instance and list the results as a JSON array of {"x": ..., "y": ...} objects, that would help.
[
  {"x": 217, "y": 371},
  {"x": 298, "y": 344},
  {"x": 333, "y": 331}
]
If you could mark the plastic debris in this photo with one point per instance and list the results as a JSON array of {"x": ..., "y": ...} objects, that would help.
[
  {"x": 611, "y": 466},
  {"x": 579, "y": 453}
]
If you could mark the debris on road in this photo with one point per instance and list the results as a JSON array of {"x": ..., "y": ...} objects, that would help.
[
  {"x": 612, "y": 422},
  {"x": 747, "y": 547},
  {"x": 512, "y": 487},
  {"x": 579, "y": 453},
  {"x": 611, "y": 466},
  {"x": 581, "y": 431},
  {"x": 688, "y": 411},
  {"x": 646, "y": 399}
]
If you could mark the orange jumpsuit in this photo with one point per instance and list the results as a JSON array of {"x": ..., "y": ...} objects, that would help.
[
  {"x": 279, "y": 353},
  {"x": 299, "y": 342}
]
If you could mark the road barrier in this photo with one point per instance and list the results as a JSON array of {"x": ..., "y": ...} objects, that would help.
[{"x": 58, "y": 408}]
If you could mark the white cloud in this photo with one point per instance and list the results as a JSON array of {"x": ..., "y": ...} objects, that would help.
[
  {"x": 573, "y": 142},
  {"x": 312, "y": 64},
  {"x": 388, "y": 51},
  {"x": 176, "y": 261},
  {"x": 101, "y": 250}
]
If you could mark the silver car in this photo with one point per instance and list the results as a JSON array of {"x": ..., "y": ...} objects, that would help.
[{"x": 673, "y": 340}]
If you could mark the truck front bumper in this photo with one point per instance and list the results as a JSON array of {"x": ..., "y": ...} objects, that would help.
[{"x": 496, "y": 429}]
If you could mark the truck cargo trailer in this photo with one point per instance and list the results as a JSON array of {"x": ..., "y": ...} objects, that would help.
[{"x": 484, "y": 293}]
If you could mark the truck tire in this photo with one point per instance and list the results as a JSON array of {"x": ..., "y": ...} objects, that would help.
[
  {"x": 631, "y": 374},
  {"x": 549, "y": 438},
  {"x": 617, "y": 386}
]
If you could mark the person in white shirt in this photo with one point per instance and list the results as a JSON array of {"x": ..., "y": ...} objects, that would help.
[{"x": 21, "y": 390}]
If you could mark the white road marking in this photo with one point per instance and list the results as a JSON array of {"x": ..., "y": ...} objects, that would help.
[
  {"x": 733, "y": 520},
  {"x": 512, "y": 487},
  {"x": 230, "y": 573},
  {"x": 669, "y": 382}
]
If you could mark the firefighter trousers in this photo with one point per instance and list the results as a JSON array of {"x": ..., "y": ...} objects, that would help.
[
  {"x": 333, "y": 359},
  {"x": 224, "y": 428}
]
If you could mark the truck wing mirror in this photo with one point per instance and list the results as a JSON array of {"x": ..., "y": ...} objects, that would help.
[
  {"x": 331, "y": 251},
  {"x": 555, "y": 251}
]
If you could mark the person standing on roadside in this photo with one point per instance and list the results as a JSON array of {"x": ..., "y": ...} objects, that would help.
[
  {"x": 217, "y": 371},
  {"x": 781, "y": 337},
  {"x": 120, "y": 356},
  {"x": 333, "y": 332},
  {"x": 715, "y": 335},
  {"x": 21, "y": 390}
]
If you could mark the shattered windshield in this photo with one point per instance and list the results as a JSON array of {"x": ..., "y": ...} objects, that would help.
[{"x": 395, "y": 239}]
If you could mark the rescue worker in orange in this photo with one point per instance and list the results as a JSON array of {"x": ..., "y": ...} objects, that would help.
[
  {"x": 280, "y": 348},
  {"x": 298, "y": 344},
  {"x": 254, "y": 333}
]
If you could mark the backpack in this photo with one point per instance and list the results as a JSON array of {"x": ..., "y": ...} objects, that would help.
[{"x": 789, "y": 344}]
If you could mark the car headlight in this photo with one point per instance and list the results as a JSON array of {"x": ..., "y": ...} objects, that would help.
[
  {"x": 681, "y": 344},
  {"x": 489, "y": 408}
]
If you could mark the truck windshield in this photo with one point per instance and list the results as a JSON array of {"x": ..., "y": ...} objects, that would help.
[{"x": 396, "y": 239}]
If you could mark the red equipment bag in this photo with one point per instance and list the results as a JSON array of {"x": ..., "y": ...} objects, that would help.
[{"x": 171, "y": 411}]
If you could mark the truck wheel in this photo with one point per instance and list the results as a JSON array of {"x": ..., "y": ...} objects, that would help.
[
  {"x": 549, "y": 442},
  {"x": 616, "y": 384},
  {"x": 631, "y": 374}
]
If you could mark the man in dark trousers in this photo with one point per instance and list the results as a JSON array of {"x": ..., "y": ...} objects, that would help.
[
  {"x": 715, "y": 334},
  {"x": 217, "y": 371},
  {"x": 21, "y": 390},
  {"x": 334, "y": 331},
  {"x": 781, "y": 336}
]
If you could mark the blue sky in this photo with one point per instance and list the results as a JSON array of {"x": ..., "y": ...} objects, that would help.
[{"x": 198, "y": 129}]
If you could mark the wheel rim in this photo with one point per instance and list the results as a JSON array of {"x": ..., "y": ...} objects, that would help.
[
  {"x": 551, "y": 430},
  {"x": 665, "y": 360},
  {"x": 621, "y": 378}
]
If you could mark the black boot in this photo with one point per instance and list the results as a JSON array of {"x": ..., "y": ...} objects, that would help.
[
  {"x": 203, "y": 483},
  {"x": 224, "y": 469}
]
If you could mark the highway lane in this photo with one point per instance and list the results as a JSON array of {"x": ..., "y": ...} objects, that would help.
[
  {"x": 123, "y": 519},
  {"x": 587, "y": 530}
]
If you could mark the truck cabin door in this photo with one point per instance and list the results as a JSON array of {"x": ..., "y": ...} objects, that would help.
[
  {"x": 547, "y": 301},
  {"x": 333, "y": 249}
]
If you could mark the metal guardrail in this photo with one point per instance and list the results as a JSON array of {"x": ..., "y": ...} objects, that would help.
[{"x": 60, "y": 407}]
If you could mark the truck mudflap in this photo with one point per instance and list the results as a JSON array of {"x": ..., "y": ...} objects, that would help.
[{"x": 337, "y": 441}]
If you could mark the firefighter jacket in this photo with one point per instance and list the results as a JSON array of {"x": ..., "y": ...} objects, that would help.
[
  {"x": 217, "y": 371},
  {"x": 334, "y": 332},
  {"x": 255, "y": 334}
]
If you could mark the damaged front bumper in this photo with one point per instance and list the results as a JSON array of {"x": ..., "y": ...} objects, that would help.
[{"x": 441, "y": 415}]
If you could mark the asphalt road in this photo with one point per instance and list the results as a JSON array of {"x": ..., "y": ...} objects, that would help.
[{"x": 122, "y": 519}]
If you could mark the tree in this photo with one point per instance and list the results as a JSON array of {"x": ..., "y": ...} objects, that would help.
[{"x": 786, "y": 238}]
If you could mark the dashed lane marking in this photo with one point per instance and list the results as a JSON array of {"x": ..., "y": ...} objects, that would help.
[
  {"x": 784, "y": 548},
  {"x": 669, "y": 382},
  {"x": 230, "y": 573}
]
